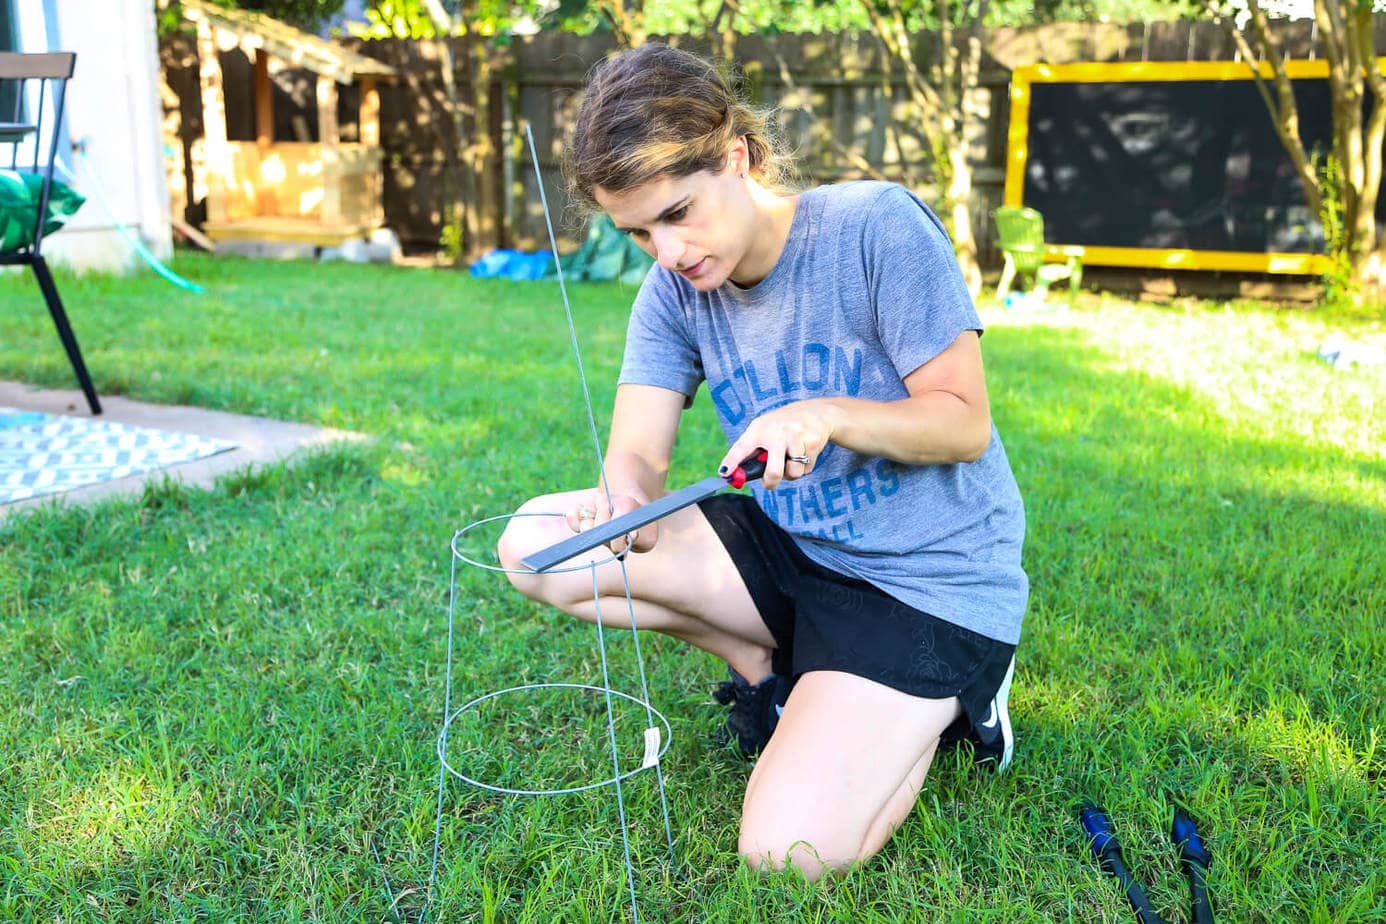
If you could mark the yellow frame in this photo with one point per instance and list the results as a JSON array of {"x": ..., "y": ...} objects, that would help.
[{"x": 1017, "y": 151}]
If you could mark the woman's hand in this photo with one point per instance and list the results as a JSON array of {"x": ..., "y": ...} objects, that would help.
[
  {"x": 792, "y": 436},
  {"x": 591, "y": 509}
]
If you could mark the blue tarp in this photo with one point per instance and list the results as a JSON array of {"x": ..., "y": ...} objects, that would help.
[
  {"x": 606, "y": 254},
  {"x": 513, "y": 264}
]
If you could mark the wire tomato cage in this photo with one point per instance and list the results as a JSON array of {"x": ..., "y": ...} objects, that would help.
[{"x": 472, "y": 764}]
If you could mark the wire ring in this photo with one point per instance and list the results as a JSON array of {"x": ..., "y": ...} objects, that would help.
[
  {"x": 443, "y": 736},
  {"x": 501, "y": 570}
]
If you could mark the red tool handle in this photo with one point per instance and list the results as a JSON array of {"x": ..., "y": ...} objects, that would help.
[{"x": 751, "y": 468}]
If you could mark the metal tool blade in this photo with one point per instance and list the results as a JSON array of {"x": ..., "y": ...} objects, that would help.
[{"x": 559, "y": 552}]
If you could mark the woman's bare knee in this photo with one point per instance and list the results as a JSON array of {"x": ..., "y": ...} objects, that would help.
[
  {"x": 529, "y": 531},
  {"x": 814, "y": 854},
  {"x": 857, "y": 753},
  {"x": 811, "y": 849}
]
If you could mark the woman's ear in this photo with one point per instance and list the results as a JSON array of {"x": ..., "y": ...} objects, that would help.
[{"x": 739, "y": 157}]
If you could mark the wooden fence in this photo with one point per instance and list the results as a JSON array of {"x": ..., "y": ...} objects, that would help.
[{"x": 837, "y": 104}]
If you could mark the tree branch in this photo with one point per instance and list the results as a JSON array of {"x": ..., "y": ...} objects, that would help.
[
  {"x": 852, "y": 157},
  {"x": 1364, "y": 37},
  {"x": 1286, "y": 113},
  {"x": 895, "y": 37},
  {"x": 1253, "y": 60}
]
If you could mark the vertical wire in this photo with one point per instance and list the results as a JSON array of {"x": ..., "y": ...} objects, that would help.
[
  {"x": 601, "y": 640},
  {"x": 443, "y": 747},
  {"x": 389, "y": 892},
  {"x": 649, "y": 713},
  {"x": 567, "y": 309},
  {"x": 615, "y": 750},
  {"x": 606, "y": 488}
]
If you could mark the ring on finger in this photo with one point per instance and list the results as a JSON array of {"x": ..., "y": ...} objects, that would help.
[
  {"x": 802, "y": 460},
  {"x": 587, "y": 513}
]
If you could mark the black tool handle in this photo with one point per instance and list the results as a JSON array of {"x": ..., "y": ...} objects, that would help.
[
  {"x": 1201, "y": 904},
  {"x": 1196, "y": 861},
  {"x": 1113, "y": 863},
  {"x": 1107, "y": 849}
]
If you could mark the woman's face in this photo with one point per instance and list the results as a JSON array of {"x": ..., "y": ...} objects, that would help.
[{"x": 697, "y": 226}]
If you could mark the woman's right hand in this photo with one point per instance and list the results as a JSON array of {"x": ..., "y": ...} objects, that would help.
[{"x": 591, "y": 509}]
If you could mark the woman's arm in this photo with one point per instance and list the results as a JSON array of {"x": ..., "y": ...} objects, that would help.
[
  {"x": 644, "y": 422},
  {"x": 945, "y": 419}
]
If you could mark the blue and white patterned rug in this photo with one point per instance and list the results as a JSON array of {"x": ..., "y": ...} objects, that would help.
[{"x": 45, "y": 454}]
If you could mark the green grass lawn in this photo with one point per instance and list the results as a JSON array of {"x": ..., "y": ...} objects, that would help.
[{"x": 222, "y": 705}]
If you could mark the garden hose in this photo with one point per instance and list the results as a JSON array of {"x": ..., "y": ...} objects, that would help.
[{"x": 79, "y": 148}]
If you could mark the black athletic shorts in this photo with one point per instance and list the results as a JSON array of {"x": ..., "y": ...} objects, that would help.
[{"x": 825, "y": 621}]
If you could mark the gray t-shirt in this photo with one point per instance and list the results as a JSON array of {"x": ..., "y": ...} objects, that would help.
[{"x": 866, "y": 291}]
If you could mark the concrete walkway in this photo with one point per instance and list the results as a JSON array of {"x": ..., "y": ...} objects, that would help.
[{"x": 259, "y": 440}]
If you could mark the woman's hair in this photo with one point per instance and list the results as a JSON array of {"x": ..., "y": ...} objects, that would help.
[{"x": 658, "y": 111}]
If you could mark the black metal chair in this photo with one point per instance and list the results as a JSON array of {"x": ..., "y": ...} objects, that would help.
[{"x": 52, "y": 71}]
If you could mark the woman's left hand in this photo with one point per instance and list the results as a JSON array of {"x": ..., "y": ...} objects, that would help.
[{"x": 792, "y": 436}]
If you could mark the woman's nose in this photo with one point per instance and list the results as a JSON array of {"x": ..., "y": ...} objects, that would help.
[{"x": 669, "y": 248}]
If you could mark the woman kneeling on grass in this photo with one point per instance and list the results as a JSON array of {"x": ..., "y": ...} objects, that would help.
[{"x": 868, "y": 597}]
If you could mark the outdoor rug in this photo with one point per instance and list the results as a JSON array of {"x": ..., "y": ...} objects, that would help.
[{"x": 45, "y": 453}]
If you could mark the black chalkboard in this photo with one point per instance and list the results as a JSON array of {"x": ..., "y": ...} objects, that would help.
[{"x": 1173, "y": 165}]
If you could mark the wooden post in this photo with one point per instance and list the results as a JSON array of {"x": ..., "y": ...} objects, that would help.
[
  {"x": 327, "y": 112},
  {"x": 330, "y": 215},
  {"x": 370, "y": 113},
  {"x": 266, "y": 190},
  {"x": 213, "y": 123},
  {"x": 264, "y": 102}
]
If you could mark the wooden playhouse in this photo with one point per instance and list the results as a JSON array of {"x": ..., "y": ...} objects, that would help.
[{"x": 276, "y": 191}]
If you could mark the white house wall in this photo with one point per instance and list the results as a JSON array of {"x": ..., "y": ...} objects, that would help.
[{"x": 113, "y": 115}]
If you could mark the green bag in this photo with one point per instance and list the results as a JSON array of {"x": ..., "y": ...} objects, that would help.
[{"x": 19, "y": 202}]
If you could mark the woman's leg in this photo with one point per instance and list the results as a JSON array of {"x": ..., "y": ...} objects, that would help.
[
  {"x": 686, "y": 586},
  {"x": 841, "y": 774}
]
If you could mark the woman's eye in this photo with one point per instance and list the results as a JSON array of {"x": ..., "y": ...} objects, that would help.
[{"x": 678, "y": 214}]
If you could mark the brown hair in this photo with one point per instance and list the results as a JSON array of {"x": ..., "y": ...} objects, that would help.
[{"x": 659, "y": 111}]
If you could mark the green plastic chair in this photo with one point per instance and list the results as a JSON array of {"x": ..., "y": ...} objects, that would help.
[{"x": 1021, "y": 234}]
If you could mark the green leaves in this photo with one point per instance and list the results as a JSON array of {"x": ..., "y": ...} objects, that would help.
[{"x": 306, "y": 14}]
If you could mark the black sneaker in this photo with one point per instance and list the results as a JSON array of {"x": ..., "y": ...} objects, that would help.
[
  {"x": 755, "y": 710},
  {"x": 992, "y": 737}
]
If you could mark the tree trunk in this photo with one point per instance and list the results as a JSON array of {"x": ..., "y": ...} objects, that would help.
[
  {"x": 464, "y": 205},
  {"x": 721, "y": 31},
  {"x": 473, "y": 153},
  {"x": 1372, "y": 265},
  {"x": 940, "y": 101},
  {"x": 627, "y": 19},
  {"x": 465, "y": 177},
  {"x": 965, "y": 64},
  {"x": 1345, "y": 30},
  {"x": 960, "y": 197},
  {"x": 1359, "y": 49},
  {"x": 479, "y": 153}
]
